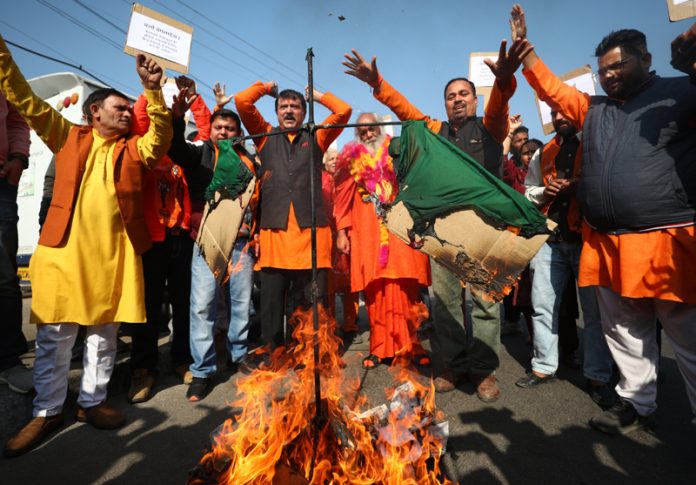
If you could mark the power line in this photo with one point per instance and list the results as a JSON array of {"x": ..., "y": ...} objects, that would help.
[
  {"x": 238, "y": 64},
  {"x": 301, "y": 76},
  {"x": 74, "y": 66},
  {"x": 80, "y": 24},
  {"x": 111, "y": 42},
  {"x": 46, "y": 46},
  {"x": 97, "y": 14}
]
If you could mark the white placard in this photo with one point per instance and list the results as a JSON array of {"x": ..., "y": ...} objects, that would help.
[
  {"x": 479, "y": 73},
  {"x": 584, "y": 83},
  {"x": 158, "y": 38}
]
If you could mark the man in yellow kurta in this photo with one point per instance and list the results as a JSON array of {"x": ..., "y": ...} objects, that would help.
[{"x": 87, "y": 268}]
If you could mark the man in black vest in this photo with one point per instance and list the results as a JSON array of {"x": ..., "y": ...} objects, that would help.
[
  {"x": 637, "y": 195},
  {"x": 482, "y": 138},
  {"x": 284, "y": 244}
]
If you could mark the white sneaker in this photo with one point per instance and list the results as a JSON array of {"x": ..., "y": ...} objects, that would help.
[{"x": 18, "y": 378}]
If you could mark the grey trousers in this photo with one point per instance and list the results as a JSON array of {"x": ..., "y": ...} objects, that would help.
[{"x": 478, "y": 354}]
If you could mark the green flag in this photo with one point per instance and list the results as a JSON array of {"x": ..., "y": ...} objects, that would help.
[
  {"x": 436, "y": 178},
  {"x": 231, "y": 176}
]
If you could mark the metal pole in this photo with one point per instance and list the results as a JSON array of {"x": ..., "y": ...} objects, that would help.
[{"x": 318, "y": 418}]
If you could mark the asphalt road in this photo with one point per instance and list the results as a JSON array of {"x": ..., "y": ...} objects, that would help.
[{"x": 537, "y": 436}]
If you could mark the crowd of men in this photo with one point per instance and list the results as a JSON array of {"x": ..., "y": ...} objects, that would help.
[{"x": 131, "y": 192}]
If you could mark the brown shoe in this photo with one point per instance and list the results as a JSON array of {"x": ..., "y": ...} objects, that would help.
[
  {"x": 141, "y": 385},
  {"x": 487, "y": 388},
  {"x": 32, "y": 434},
  {"x": 101, "y": 416},
  {"x": 446, "y": 381},
  {"x": 184, "y": 372}
]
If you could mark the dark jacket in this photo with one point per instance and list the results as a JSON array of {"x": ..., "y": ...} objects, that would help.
[
  {"x": 285, "y": 178},
  {"x": 639, "y": 163},
  {"x": 473, "y": 138}
]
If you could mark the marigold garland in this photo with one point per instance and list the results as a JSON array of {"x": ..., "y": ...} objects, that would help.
[{"x": 376, "y": 183}]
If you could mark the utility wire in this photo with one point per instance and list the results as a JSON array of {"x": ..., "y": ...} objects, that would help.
[
  {"x": 254, "y": 58},
  {"x": 216, "y": 50},
  {"x": 79, "y": 23},
  {"x": 97, "y": 14},
  {"x": 113, "y": 81},
  {"x": 99, "y": 35},
  {"x": 74, "y": 66}
]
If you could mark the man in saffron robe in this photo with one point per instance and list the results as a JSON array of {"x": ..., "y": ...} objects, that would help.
[
  {"x": 87, "y": 268},
  {"x": 388, "y": 272}
]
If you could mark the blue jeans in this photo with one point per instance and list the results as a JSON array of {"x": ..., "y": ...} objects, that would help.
[
  {"x": 550, "y": 270},
  {"x": 204, "y": 294},
  {"x": 12, "y": 341}
]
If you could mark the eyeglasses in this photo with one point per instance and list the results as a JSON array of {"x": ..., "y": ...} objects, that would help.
[{"x": 614, "y": 68}]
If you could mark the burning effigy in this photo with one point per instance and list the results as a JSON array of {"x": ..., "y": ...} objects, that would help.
[{"x": 278, "y": 435}]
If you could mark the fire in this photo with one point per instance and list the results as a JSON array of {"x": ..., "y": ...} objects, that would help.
[{"x": 276, "y": 438}]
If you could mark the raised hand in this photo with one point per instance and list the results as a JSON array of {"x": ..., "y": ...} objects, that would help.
[
  {"x": 180, "y": 103},
  {"x": 518, "y": 23},
  {"x": 272, "y": 88},
  {"x": 358, "y": 67},
  {"x": 221, "y": 98},
  {"x": 188, "y": 83},
  {"x": 317, "y": 94},
  {"x": 508, "y": 62},
  {"x": 515, "y": 122},
  {"x": 149, "y": 71},
  {"x": 684, "y": 52}
]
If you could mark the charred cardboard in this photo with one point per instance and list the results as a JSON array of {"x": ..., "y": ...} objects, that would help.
[
  {"x": 485, "y": 258},
  {"x": 219, "y": 229}
]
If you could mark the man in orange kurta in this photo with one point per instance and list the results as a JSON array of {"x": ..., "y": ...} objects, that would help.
[
  {"x": 285, "y": 218},
  {"x": 636, "y": 194},
  {"x": 384, "y": 268},
  {"x": 481, "y": 138}
]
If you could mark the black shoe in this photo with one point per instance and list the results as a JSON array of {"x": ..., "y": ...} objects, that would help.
[
  {"x": 532, "y": 380},
  {"x": 571, "y": 360},
  {"x": 198, "y": 389},
  {"x": 622, "y": 418},
  {"x": 603, "y": 395}
]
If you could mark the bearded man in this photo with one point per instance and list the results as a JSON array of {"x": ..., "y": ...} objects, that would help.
[{"x": 388, "y": 272}]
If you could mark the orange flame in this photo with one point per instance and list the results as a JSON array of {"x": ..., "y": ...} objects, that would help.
[{"x": 274, "y": 433}]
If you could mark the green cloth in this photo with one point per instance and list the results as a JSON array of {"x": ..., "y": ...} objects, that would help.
[
  {"x": 231, "y": 176},
  {"x": 436, "y": 178}
]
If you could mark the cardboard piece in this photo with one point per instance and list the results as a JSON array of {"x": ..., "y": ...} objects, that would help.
[
  {"x": 681, "y": 9},
  {"x": 479, "y": 73},
  {"x": 485, "y": 93},
  {"x": 488, "y": 260},
  {"x": 581, "y": 78},
  {"x": 219, "y": 229},
  {"x": 166, "y": 40}
]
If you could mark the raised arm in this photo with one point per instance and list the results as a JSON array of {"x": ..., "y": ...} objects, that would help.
[
  {"x": 201, "y": 116},
  {"x": 252, "y": 118},
  {"x": 154, "y": 144},
  {"x": 383, "y": 91},
  {"x": 201, "y": 113},
  {"x": 51, "y": 127},
  {"x": 550, "y": 89},
  {"x": 496, "y": 118},
  {"x": 186, "y": 155},
  {"x": 340, "y": 114}
]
